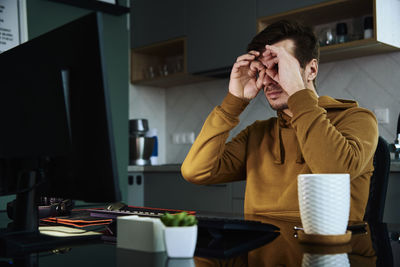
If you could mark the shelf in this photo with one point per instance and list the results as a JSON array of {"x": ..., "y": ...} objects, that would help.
[
  {"x": 385, "y": 14},
  {"x": 171, "y": 54},
  {"x": 172, "y": 80},
  {"x": 174, "y": 168},
  {"x": 97, "y": 5},
  {"x": 354, "y": 49},
  {"x": 322, "y": 13}
]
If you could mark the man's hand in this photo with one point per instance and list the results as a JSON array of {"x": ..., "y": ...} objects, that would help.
[
  {"x": 283, "y": 68},
  {"x": 247, "y": 76}
]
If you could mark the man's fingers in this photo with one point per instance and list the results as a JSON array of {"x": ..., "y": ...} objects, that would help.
[
  {"x": 236, "y": 67},
  {"x": 252, "y": 73},
  {"x": 246, "y": 57},
  {"x": 273, "y": 74},
  {"x": 267, "y": 80},
  {"x": 241, "y": 64},
  {"x": 254, "y": 52},
  {"x": 256, "y": 66},
  {"x": 272, "y": 50},
  {"x": 264, "y": 59},
  {"x": 261, "y": 76},
  {"x": 267, "y": 53},
  {"x": 249, "y": 56},
  {"x": 270, "y": 64}
]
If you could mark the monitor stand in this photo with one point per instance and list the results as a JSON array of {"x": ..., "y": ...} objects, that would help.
[{"x": 23, "y": 238}]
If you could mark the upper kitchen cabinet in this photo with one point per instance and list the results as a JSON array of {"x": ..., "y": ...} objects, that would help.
[
  {"x": 154, "y": 21},
  {"x": 158, "y": 42},
  {"x": 269, "y": 8},
  {"x": 217, "y": 33},
  {"x": 162, "y": 64},
  {"x": 384, "y": 18}
]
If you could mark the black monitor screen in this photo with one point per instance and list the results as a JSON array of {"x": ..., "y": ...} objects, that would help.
[{"x": 55, "y": 115}]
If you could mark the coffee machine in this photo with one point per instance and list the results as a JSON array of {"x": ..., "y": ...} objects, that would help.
[{"x": 140, "y": 146}]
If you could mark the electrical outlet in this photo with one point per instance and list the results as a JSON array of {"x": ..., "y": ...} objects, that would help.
[
  {"x": 189, "y": 138},
  {"x": 382, "y": 115},
  {"x": 183, "y": 138},
  {"x": 176, "y": 138}
]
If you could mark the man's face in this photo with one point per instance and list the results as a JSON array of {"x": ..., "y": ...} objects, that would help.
[{"x": 276, "y": 96}]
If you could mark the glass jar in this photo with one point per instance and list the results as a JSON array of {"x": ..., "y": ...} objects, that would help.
[{"x": 341, "y": 33}]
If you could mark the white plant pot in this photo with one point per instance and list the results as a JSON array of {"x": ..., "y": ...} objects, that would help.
[{"x": 180, "y": 241}]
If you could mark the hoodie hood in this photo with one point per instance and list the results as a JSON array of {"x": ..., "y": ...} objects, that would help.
[
  {"x": 328, "y": 102},
  {"x": 284, "y": 121}
]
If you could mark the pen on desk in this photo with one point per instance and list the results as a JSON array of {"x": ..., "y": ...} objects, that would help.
[{"x": 354, "y": 227}]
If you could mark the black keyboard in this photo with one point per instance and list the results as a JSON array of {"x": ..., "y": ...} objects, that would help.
[
  {"x": 221, "y": 223},
  {"x": 132, "y": 210},
  {"x": 213, "y": 224}
]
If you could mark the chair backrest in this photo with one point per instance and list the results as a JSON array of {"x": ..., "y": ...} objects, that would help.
[{"x": 379, "y": 183}]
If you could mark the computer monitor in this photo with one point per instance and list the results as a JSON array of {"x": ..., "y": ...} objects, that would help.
[{"x": 56, "y": 138}]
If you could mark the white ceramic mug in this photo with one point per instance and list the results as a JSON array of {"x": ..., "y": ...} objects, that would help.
[
  {"x": 325, "y": 260},
  {"x": 324, "y": 201}
]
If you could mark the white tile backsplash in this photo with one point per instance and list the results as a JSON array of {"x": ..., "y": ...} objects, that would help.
[{"x": 373, "y": 81}]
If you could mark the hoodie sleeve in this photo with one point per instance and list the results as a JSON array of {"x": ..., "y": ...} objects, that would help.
[
  {"x": 210, "y": 160},
  {"x": 344, "y": 145}
]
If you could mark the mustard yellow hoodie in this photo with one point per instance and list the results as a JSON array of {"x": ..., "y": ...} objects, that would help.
[{"x": 324, "y": 135}]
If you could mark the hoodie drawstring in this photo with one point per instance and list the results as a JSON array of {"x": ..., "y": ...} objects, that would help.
[{"x": 278, "y": 149}]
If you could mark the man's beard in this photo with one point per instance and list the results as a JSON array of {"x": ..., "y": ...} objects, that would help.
[
  {"x": 283, "y": 97},
  {"x": 284, "y": 105},
  {"x": 279, "y": 107}
]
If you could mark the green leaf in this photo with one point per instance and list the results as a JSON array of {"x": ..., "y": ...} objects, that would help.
[{"x": 178, "y": 219}]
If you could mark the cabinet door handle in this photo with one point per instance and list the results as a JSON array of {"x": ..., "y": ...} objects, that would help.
[{"x": 139, "y": 180}]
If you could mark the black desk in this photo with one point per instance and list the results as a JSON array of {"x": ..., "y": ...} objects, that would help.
[{"x": 285, "y": 250}]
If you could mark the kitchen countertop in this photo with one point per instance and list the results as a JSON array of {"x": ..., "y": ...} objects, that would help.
[
  {"x": 156, "y": 168},
  {"x": 394, "y": 167}
]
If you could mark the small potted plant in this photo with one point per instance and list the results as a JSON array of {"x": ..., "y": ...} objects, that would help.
[{"x": 180, "y": 234}]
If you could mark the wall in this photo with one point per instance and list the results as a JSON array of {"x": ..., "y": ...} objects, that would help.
[{"x": 372, "y": 81}]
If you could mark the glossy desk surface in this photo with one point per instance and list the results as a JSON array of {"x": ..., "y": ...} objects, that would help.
[{"x": 371, "y": 247}]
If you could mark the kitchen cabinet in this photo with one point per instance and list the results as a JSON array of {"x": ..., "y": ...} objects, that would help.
[
  {"x": 164, "y": 187},
  {"x": 386, "y": 18},
  {"x": 154, "y": 21},
  {"x": 158, "y": 42},
  {"x": 218, "y": 32},
  {"x": 214, "y": 33},
  {"x": 171, "y": 191},
  {"x": 269, "y": 8},
  {"x": 238, "y": 191},
  {"x": 162, "y": 65}
]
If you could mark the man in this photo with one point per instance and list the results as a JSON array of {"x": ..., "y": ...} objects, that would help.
[{"x": 310, "y": 134}]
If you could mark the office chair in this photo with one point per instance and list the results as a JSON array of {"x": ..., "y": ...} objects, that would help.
[
  {"x": 379, "y": 183},
  {"x": 376, "y": 205}
]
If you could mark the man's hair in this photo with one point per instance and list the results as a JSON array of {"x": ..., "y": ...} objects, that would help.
[{"x": 306, "y": 43}]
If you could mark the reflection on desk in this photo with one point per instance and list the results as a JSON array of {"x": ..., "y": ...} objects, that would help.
[
  {"x": 286, "y": 250},
  {"x": 366, "y": 248}
]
